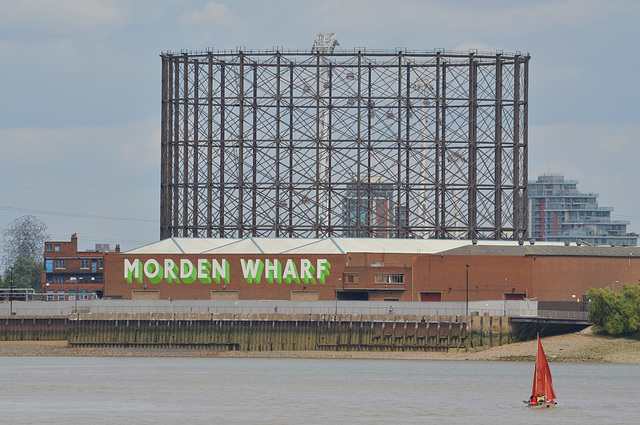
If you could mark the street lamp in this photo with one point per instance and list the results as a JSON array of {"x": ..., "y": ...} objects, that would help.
[
  {"x": 336, "y": 296},
  {"x": 467, "y": 269},
  {"x": 614, "y": 285},
  {"x": 504, "y": 296},
  {"x": 11, "y": 293}
]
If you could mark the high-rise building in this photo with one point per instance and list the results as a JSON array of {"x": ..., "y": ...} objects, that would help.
[
  {"x": 370, "y": 210},
  {"x": 559, "y": 212}
]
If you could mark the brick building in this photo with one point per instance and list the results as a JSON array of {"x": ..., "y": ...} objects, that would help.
[
  {"x": 366, "y": 269},
  {"x": 68, "y": 272}
]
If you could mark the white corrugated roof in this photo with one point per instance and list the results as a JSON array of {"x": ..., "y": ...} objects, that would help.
[{"x": 311, "y": 246}]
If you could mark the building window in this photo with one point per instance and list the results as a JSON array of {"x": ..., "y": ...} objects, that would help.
[
  {"x": 57, "y": 247},
  {"x": 101, "y": 264},
  {"x": 351, "y": 278},
  {"x": 84, "y": 264},
  {"x": 60, "y": 264},
  {"x": 49, "y": 247},
  {"x": 392, "y": 278},
  {"x": 59, "y": 279}
]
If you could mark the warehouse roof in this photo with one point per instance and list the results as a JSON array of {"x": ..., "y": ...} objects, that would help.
[{"x": 344, "y": 245}]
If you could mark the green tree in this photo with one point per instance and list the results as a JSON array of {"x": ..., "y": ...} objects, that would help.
[
  {"x": 630, "y": 307},
  {"x": 27, "y": 273},
  {"x": 615, "y": 313}
]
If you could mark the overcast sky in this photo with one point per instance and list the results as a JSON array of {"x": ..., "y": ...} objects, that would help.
[{"x": 80, "y": 91}]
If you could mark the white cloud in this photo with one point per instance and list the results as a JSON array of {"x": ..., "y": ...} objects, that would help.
[
  {"x": 587, "y": 143},
  {"x": 59, "y": 55},
  {"x": 213, "y": 14},
  {"x": 46, "y": 18},
  {"x": 464, "y": 20},
  {"x": 104, "y": 149}
]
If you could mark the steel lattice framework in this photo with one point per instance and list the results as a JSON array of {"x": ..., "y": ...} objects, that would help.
[{"x": 362, "y": 143}]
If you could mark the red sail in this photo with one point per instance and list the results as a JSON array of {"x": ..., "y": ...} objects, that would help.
[{"x": 542, "y": 383}]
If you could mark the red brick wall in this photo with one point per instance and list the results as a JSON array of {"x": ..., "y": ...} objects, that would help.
[
  {"x": 116, "y": 285},
  {"x": 550, "y": 278}
]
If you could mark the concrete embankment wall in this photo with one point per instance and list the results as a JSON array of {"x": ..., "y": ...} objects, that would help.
[{"x": 266, "y": 332}]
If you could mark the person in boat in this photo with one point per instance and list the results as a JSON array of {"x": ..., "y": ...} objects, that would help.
[
  {"x": 540, "y": 399},
  {"x": 533, "y": 400}
]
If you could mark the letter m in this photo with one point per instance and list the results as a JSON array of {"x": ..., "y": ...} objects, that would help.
[{"x": 132, "y": 270}]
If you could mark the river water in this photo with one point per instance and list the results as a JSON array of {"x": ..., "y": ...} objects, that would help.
[{"x": 155, "y": 390}]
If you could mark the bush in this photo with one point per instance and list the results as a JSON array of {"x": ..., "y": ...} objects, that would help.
[{"x": 615, "y": 313}]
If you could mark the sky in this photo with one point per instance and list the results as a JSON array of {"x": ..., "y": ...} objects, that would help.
[{"x": 80, "y": 91}]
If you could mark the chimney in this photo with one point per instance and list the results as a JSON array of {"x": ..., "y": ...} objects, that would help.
[
  {"x": 74, "y": 243},
  {"x": 117, "y": 247}
]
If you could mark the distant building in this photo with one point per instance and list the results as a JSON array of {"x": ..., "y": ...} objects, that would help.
[
  {"x": 371, "y": 211},
  {"x": 68, "y": 273},
  {"x": 558, "y": 212}
]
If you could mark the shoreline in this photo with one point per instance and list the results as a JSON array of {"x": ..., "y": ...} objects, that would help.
[{"x": 581, "y": 347}]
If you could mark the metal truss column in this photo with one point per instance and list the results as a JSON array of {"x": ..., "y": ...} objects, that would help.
[
  {"x": 499, "y": 148},
  {"x": 525, "y": 150},
  {"x": 165, "y": 152},
  {"x": 472, "y": 152},
  {"x": 210, "y": 148},
  {"x": 517, "y": 184}
]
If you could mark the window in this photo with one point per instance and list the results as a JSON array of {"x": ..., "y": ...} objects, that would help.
[
  {"x": 57, "y": 247},
  {"x": 84, "y": 264},
  {"x": 351, "y": 278},
  {"x": 102, "y": 264},
  {"x": 60, "y": 264},
  {"x": 48, "y": 247},
  {"x": 59, "y": 279},
  {"x": 393, "y": 278}
]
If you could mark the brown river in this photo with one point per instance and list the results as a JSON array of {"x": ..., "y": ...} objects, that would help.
[{"x": 158, "y": 390}]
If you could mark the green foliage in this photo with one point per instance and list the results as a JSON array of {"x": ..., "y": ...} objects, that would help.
[
  {"x": 27, "y": 273},
  {"x": 615, "y": 313}
]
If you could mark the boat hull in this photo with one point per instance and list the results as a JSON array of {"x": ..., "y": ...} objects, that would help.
[{"x": 541, "y": 405}]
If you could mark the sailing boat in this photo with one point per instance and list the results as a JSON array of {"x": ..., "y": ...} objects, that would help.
[{"x": 542, "y": 394}]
